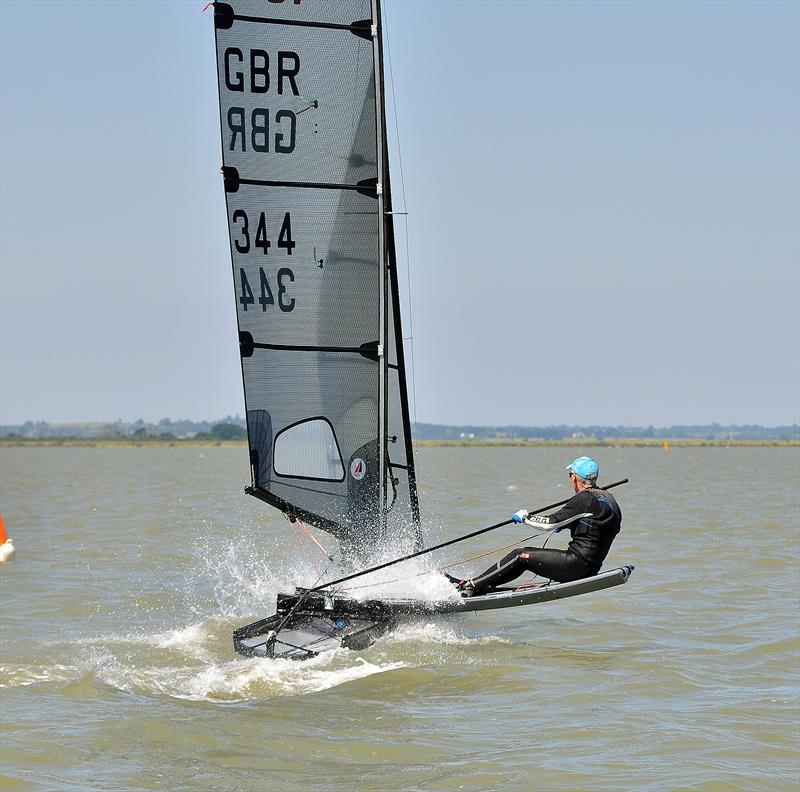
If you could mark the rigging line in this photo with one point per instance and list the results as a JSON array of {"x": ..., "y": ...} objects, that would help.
[
  {"x": 394, "y": 105},
  {"x": 457, "y": 539},
  {"x": 308, "y": 533},
  {"x": 313, "y": 538},
  {"x": 496, "y": 550},
  {"x": 405, "y": 213},
  {"x": 455, "y": 563},
  {"x": 303, "y": 548},
  {"x": 411, "y": 324}
]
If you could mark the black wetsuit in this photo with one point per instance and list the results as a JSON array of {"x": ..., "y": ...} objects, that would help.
[{"x": 593, "y": 517}]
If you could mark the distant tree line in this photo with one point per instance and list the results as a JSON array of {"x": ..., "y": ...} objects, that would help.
[
  {"x": 234, "y": 428},
  {"x": 228, "y": 428},
  {"x": 224, "y": 431},
  {"x": 424, "y": 431}
]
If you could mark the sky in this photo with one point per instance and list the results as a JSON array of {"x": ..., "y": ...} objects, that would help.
[{"x": 603, "y": 199}]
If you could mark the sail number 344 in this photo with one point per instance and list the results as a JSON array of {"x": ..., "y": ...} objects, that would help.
[{"x": 244, "y": 243}]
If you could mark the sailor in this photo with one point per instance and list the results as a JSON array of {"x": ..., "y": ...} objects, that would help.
[{"x": 593, "y": 518}]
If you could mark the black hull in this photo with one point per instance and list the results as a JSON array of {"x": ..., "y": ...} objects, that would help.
[{"x": 321, "y": 622}]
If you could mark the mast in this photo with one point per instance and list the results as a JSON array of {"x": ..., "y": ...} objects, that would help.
[
  {"x": 383, "y": 300},
  {"x": 399, "y": 348}
]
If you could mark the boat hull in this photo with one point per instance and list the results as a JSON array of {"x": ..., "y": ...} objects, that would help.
[{"x": 321, "y": 621}]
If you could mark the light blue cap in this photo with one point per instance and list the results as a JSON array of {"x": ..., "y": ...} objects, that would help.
[{"x": 584, "y": 467}]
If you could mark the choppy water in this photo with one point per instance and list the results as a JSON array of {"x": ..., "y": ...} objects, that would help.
[{"x": 134, "y": 566}]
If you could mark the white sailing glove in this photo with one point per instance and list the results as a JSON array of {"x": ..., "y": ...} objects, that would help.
[{"x": 519, "y": 516}]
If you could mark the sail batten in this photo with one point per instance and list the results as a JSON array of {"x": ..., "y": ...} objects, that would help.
[
  {"x": 357, "y": 28},
  {"x": 233, "y": 181},
  {"x": 334, "y": 15},
  {"x": 306, "y": 186}
]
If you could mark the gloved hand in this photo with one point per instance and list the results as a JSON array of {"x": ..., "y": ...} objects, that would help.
[{"x": 519, "y": 516}]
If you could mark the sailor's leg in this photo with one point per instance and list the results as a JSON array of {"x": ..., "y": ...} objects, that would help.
[
  {"x": 562, "y": 566},
  {"x": 507, "y": 568},
  {"x": 559, "y": 565}
]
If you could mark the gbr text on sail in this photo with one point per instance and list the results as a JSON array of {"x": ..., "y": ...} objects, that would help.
[{"x": 263, "y": 129}]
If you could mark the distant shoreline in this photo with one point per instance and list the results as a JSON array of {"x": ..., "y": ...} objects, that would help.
[{"x": 627, "y": 442}]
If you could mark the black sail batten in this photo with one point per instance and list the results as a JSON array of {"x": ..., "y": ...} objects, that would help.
[
  {"x": 366, "y": 189},
  {"x": 225, "y": 16},
  {"x": 247, "y": 345},
  {"x": 306, "y": 186},
  {"x": 233, "y": 181}
]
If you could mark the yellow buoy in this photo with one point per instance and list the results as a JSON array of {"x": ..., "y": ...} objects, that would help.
[{"x": 666, "y": 446}]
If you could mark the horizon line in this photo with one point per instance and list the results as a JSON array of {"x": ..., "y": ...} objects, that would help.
[{"x": 237, "y": 416}]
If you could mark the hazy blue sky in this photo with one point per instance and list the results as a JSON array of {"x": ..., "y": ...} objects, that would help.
[{"x": 604, "y": 211}]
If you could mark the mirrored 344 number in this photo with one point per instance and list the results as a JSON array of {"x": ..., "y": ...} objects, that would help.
[
  {"x": 285, "y": 275},
  {"x": 244, "y": 242}
]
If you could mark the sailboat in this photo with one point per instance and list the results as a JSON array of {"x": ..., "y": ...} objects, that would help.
[{"x": 311, "y": 223}]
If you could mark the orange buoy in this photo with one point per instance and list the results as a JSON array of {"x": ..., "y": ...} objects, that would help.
[{"x": 7, "y": 551}]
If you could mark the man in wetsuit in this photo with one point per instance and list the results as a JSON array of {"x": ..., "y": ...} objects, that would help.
[{"x": 593, "y": 518}]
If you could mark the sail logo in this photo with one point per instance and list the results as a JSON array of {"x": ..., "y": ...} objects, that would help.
[{"x": 358, "y": 469}]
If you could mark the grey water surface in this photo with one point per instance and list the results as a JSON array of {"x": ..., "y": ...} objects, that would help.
[{"x": 134, "y": 565}]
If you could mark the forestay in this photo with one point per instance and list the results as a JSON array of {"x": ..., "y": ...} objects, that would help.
[{"x": 308, "y": 201}]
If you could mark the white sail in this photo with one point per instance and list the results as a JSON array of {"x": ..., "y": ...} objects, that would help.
[{"x": 307, "y": 189}]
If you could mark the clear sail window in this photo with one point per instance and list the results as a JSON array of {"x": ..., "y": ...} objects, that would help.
[{"x": 308, "y": 450}]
